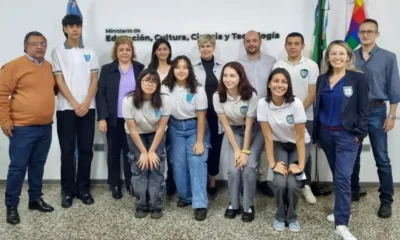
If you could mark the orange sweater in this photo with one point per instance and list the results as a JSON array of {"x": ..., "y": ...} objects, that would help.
[{"x": 31, "y": 87}]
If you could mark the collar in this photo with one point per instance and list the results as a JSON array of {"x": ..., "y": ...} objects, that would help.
[
  {"x": 230, "y": 98},
  {"x": 68, "y": 46},
  {"x": 272, "y": 106},
  {"x": 197, "y": 61},
  {"x": 34, "y": 60},
  {"x": 302, "y": 60},
  {"x": 246, "y": 57},
  {"x": 372, "y": 52}
]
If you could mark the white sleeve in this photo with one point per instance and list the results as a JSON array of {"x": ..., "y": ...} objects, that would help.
[
  {"x": 299, "y": 114},
  {"x": 217, "y": 104},
  {"x": 94, "y": 63},
  {"x": 55, "y": 62},
  {"x": 276, "y": 65},
  {"x": 314, "y": 73},
  {"x": 201, "y": 103},
  {"x": 262, "y": 111},
  {"x": 252, "y": 108},
  {"x": 127, "y": 108},
  {"x": 166, "y": 106}
]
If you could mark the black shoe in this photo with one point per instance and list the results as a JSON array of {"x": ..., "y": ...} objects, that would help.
[
  {"x": 12, "y": 215},
  {"x": 40, "y": 205},
  {"x": 355, "y": 197},
  {"x": 140, "y": 213},
  {"x": 212, "y": 191},
  {"x": 182, "y": 204},
  {"x": 86, "y": 198},
  {"x": 231, "y": 213},
  {"x": 385, "y": 210},
  {"x": 363, "y": 192},
  {"x": 200, "y": 214},
  {"x": 248, "y": 217},
  {"x": 116, "y": 192},
  {"x": 265, "y": 189},
  {"x": 66, "y": 200},
  {"x": 156, "y": 213}
]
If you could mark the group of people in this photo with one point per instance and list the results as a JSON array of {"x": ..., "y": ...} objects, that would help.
[{"x": 177, "y": 118}]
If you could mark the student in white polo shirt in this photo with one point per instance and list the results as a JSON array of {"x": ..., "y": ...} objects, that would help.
[
  {"x": 304, "y": 73},
  {"x": 188, "y": 136},
  {"x": 287, "y": 143},
  {"x": 235, "y": 102},
  {"x": 76, "y": 68},
  {"x": 146, "y": 114}
]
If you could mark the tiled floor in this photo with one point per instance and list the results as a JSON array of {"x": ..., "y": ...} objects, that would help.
[{"x": 111, "y": 219}]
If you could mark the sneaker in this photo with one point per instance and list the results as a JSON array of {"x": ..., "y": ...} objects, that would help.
[
  {"x": 279, "y": 226},
  {"x": 385, "y": 210},
  {"x": 140, "y": 213},
  {"x": 156, "y": 213},
  {"x": 295, "y": 226},
  {"x": 308, "y": 195},
  {"x": 200, "y": 214},
  {"x": 344, "y": 232},
  {"x": 331, "y": 218},
  {"x": 182, "y": 204}
]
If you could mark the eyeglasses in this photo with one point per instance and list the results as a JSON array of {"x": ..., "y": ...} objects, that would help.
[
  {"x": 148, "y": 81},
  {"x": 369, "y": 32},
  {"x": 37, "y": 44}
]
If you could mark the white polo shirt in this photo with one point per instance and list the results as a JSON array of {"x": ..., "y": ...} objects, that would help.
[
  {"x": 236, "y": 110},
  {"x": 302, "y": 74},
  {"x": 184, "y": 104},
  {"x": 146, "y": 118},
  {"x": 76, "y": 66},
  {"x": 282, "y": 119}
]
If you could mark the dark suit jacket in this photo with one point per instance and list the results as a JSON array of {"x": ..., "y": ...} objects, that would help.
[
  {"x": 354, "y": 108},
  {"x": 108, "y": 88}
]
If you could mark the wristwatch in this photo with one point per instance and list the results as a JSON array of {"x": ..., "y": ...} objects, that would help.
[
  {"x": 246, "y": 152},
  {"x": 393, "y": 117}
]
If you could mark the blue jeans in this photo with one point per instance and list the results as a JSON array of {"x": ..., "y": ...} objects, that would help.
[
  {"x": 190, "y": 170},
  {"x": 378, "y": 139},
  {"x": 28, "y": 149},
  {"x": 341, "y": 149}
]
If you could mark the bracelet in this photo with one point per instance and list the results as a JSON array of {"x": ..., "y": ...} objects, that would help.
[
  {"x": 274, "y": 167},
  {"x": 246, "y": 152}
]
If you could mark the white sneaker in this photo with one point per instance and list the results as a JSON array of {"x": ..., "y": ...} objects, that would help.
[
  {"x": 331, "y": 218},
  {"x": 344, "y": 232},
  {"x": 308, "y": 195}
]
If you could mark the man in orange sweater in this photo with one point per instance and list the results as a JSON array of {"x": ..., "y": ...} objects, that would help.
[{"x": 26, "y": 119}]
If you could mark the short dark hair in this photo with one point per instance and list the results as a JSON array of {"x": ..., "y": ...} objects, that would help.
[
  {"x": 244, "y": 87},
  {"x": 34, "y": 34},
  {"x": 295, "y": 34},
  {"x": 154, "y": 59},
  {"x": 370, "y": 20},
  {"x": 138, "y": 97},
  {"x": 71, "y": 19},
  {"x": 289, "y": 97}
]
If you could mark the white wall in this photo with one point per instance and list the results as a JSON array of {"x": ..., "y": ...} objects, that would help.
[{"x": 185, "y": 17}]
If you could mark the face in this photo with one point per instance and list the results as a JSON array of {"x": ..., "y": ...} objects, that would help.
[
  {"x": 252, "y": 43},
  {"x": 73, "y": 31},
  {"x": 230, "y": 78},
  {"x": 368, "y": 33},
  {"x": 36, "y": 47},
  {"x": 149, "y": 84},
  {"x": 206, "y": 51},
  {"x": 294, "y": 46},
  {"x": 124, "y": 52},
  {"x": 162, "y": 52},
  {"x": 338, "y": 56},
  {"x": 278, "y": 85},
  {"x": 181, "y": 71}
]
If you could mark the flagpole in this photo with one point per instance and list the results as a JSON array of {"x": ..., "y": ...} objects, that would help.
[{"x": 320, "y": 31}]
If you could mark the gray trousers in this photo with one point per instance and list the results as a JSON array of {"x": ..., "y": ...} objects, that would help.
[
  {"x": 247, "y": 177},
  {"x": 286, "y": 190},
  {"x": 148, "y": 185}
]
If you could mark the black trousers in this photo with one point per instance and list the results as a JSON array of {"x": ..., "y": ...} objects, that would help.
[
  {"x": 117, "y": 142},
  {"x": 216, "y": 142},
  {"x": 72, "y": 130}
]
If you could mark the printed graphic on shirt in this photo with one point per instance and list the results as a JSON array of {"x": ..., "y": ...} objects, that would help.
[
  {"x": 157, "y": 113},
  {"x": 87, "y": 57},
  {"x": 189, "y": 97},
  {"x": 290, "y": 119},
  {"x": 243, "y": 110},
  {"x": 348, "y": 91},
  {"x": 303, "y": 73}
]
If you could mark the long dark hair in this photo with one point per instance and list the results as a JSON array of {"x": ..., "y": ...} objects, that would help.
[
  {"x": 154, "y": 59},
  {"x": 244, "y": 87},
  {"x": 170, "y": 79},
  {"x": 138, "y": 95},
  {"x": 289, "y": 97}
]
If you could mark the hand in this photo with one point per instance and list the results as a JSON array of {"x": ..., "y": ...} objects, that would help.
[
  {"x": 143, "y": 161},
  {"x": 295, "y": 169},
  {"x": 318, "y": 144},
  {"x": 198, "y": 148},
  {"x": 153, "y": 160},
  {"x": 103, "y": 126},
  {"x": 388, "y": 124},
  {"x": 7, "y": 130},
  {"x": 356, "y": 139},
  {"x": 281, "y": 168},
  {"x": 76, "y": 107},
  {"x": 238, "y": 153},
  {"x": 243, "y": 161},
  {"x": 84, "y": 109}
]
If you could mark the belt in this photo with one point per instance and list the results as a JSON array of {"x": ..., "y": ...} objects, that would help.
[
  {"x": 182, "y": 120},
  {"x": 376, "y": 104},
  {"x": 333, "y": 128},
  {"x": 239, "y": 126}
]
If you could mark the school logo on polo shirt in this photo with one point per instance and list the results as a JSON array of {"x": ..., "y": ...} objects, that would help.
[
  {"x": 157, "y": 113},
  {"x": 87, "y": 57},
  {"x": 303, "y": 73},
  {"x": 189, "y": 97},
  {"x": 243, "y": 110},
  {"x": 348, "y": 91},
  {"x": 290, "y": 119}
]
